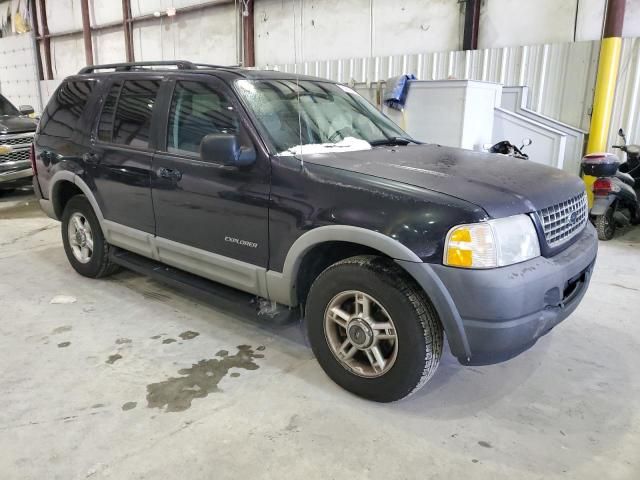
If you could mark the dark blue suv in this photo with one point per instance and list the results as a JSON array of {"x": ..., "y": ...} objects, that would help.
[{"x": 297, "y": 195}]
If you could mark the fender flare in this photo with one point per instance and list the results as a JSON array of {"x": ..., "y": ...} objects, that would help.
[
  {"x": 68, "y": 176},
  {"x": 281, "y": 287}
]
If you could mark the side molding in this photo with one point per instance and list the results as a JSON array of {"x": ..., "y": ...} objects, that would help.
[
  {"x": 228, "y": 271},
  {"x": 281, "y": 286}
]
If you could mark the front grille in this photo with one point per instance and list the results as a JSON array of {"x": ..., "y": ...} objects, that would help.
[
  {"x": 14, "y": 156},
  {"x": 20, "y": 139},
  {"x": 563, "y": 221}
]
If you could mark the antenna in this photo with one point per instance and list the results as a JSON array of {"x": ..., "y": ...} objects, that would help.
[{"x": 295, "y": 63}]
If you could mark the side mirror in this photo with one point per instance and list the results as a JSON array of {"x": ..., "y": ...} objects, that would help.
[
  {"x": 26, "y": 109},
  {"x": 224, "y": 148},
  {"x": 621, "y": 134}
]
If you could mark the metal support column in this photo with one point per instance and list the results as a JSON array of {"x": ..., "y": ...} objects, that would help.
[
  {"x": 608, "y": 64},
  {"x": 46, "y": 40},
  {"x": 127, "y": 26},
  {"x": 248, "y": 44},
  {"x": 86, "y": 32},
  {"x": 36, "y": 33},
  {"x": 471, "y": 24}
]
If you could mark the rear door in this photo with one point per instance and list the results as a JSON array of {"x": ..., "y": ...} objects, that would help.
[
  {"x": 208, "y": 215},
  {"x": 122, "y": 153}
]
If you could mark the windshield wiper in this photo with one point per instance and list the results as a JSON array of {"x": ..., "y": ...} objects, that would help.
[{"x": 394, "y": 141}]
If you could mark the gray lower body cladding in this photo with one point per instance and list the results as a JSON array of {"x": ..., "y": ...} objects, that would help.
[{"x": 492, "y": 315}]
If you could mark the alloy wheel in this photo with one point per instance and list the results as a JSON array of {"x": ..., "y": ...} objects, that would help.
[
  {"x": 80, "y": 237},
  {"x": 360, "y": 334}
]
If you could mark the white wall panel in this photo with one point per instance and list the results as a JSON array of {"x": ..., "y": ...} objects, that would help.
[
  {"x": 530, "y": 22},
  {"x": 108, "y": 46},
  {"x": 145, "y": 7},
  {"x": 67, "y": 55},
  {"x": 207, "y": 37},
  {"x": 18, "y": 75},
  {"x": 418, "y": 25},
  {"x": 66, "y": 15},
  {"x": 103, "y": 12}
]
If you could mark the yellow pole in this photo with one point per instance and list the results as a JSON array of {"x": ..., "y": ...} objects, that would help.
[{"x": 608, "y": 64}]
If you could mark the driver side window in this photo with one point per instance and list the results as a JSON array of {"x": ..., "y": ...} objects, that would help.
[{"x": 198, "y": 109}]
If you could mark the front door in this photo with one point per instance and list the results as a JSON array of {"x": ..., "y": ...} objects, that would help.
[{"x": 211, "y": 219}]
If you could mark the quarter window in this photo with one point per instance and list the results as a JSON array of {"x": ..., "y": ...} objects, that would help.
[
  {"x": 132, "y": 119},
  {"x": 61, "y": 115},
  {"x": 198, "y": 109}
]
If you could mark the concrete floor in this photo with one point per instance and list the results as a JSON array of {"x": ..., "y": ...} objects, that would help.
[{"x": 96, "y": 388}]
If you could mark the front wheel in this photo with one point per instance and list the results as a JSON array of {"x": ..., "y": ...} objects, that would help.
[
  {"x": 372, "y": 328},
  {"x": 605, "y": 224}
]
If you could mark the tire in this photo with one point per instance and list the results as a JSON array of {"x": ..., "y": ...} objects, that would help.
[
  {"x": 410, "y": 359},
  {"x": 97, "y": 264},
  {"x": 606, "y": 224}
]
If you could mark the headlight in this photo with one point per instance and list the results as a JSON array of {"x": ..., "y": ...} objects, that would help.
[{"x": 490, "y": 244}]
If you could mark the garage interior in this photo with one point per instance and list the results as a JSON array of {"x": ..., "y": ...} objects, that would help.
[{"x": 126, "y": 377}]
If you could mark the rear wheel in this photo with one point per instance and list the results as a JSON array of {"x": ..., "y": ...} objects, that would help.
[
  {"x": 606, "y": 224},
  {"x": 85, "y": 245},
  {"x": 372, "y": 329}
]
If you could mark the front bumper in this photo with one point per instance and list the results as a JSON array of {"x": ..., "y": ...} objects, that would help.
[
  {"x": 13, "y": 173},
  {"x": 492, "y": 315}
]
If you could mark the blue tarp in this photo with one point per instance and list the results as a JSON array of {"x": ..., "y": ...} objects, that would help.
[{"x": 396, "y": 93}]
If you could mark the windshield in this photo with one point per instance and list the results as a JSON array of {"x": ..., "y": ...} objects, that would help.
[
  {"x": 6, "y": 108},
  {"x": 332, "y": 117}
]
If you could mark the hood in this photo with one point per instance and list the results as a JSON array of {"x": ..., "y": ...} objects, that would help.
[
  {"x": 11, "y": 124},
  {"x": 501, "y": 185}
]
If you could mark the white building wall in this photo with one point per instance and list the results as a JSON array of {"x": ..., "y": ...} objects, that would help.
[
  {"x": 293, "y": 30},
  {"x": 18, "y": 77}
]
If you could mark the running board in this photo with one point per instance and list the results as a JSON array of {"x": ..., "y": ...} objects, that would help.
[{"x": 208, "y": 291}]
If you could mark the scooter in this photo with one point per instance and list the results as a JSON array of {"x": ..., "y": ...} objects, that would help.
[
  {"x": 616, "y": 189},
  {"x": 505, "y": 147}
]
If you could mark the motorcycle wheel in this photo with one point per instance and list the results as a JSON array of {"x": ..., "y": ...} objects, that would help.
[{"x": 606, "y": 225}]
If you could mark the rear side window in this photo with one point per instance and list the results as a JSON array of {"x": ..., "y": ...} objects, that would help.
[
  {"x": 130, "y": 123},
  {"x": 198, "y": 109},
  {"x": 65, "y": 107}
]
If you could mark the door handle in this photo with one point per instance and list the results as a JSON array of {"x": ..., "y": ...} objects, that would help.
[
  {"x": 170, "y": 173},
  {"x": 90, "y": 158}
]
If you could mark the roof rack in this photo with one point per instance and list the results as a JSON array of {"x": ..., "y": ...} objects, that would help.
[{"x": 127, "y": 67}]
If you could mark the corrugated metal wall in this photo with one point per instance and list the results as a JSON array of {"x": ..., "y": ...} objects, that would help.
[
  {"x": 626, "y": 111},
  {"x": 560, "y": 77}
]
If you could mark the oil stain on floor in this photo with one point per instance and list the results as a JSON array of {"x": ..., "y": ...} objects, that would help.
[
  {"x": 113, "y": 358},
  {"x": 188, "y": 335},
  {"x": 201, "y": 379}
]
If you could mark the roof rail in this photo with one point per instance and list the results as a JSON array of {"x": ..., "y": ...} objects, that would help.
[
  {"x": 125, "y": 67},
  {"x": 208, "y": 65}
]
